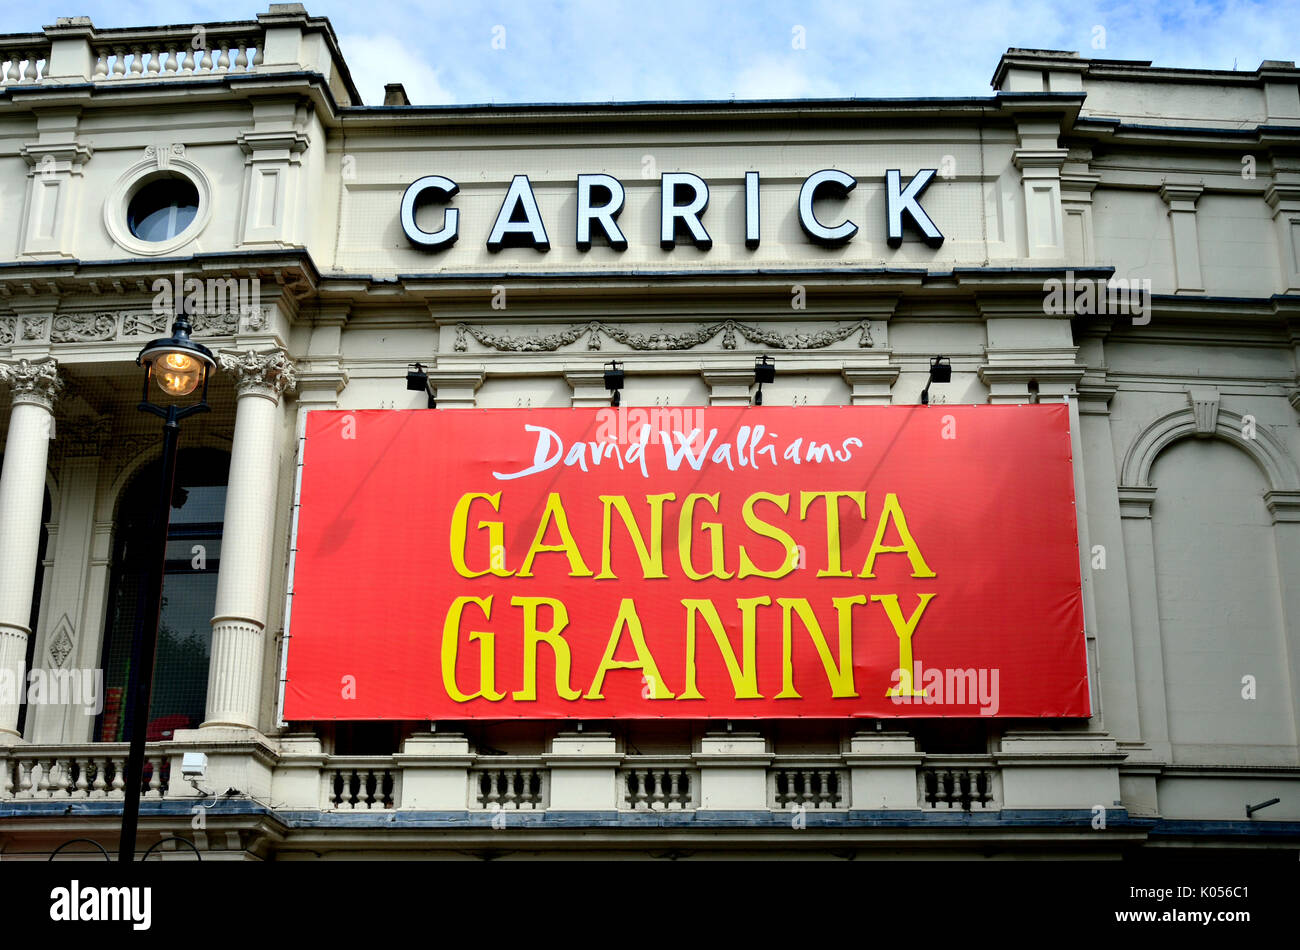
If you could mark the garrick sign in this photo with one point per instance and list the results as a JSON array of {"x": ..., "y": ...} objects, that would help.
[{"x": 683, "y": 201}]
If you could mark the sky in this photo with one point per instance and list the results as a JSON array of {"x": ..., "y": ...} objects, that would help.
[{"x": 631, "y": 50}]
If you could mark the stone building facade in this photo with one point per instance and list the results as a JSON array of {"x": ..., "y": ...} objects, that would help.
[{"x": 240, "y": 152}]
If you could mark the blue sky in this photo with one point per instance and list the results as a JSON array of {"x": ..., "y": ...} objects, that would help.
[{"x": 602, "y": 50}]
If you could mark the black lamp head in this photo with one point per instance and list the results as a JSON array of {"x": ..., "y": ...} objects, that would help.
[
  {"x": 764, "y": 370},
  {"x": 613, "y": 375},
  {"x": 176, "y": 363},
  {"x": 940, "y": 370},
  {"x": 417, "y": 380}
]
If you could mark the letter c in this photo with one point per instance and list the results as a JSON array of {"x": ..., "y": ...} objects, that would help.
[{"x": 832, "y": 183}]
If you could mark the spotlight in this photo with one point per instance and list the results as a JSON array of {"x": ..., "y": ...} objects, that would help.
[
  {"x": 940, "y": 372},
  {"x": 764, "y": 372},
  {"x": 614, "y": 380},
  {"x": 417, "y": 380}
]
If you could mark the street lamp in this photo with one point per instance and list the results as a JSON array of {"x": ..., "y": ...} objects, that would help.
[{"x": 178, "y": 367}]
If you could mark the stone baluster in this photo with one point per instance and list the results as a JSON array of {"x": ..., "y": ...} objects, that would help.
[{"x": 155, "y": 777}]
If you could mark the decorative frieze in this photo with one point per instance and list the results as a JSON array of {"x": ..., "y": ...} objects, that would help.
[
  {"x": 83, "y": 438},
  {"x": 685, "y": 340},
  {"x": 105, "y": 325},
  {"x": 269, "y": 373}
]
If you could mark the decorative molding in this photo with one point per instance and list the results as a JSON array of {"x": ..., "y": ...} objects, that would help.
[
  {"x": 1204, "y": 401},
  {"x": 72, "y": 155},
  {"x": 84, "y": 437},
  {"x": 160, "y": 154},
  {"x": 1180, "y": 192},
  {"x": 37, "y": 383},
  {"x": 102, "y": 326},
  {"x": 1265, "y": 448},
  {"x": 662, "y": 341},
  {"x": 1135, "y": 501},
  {"x": 1283, "y": 506},
  {"x": 269, "y": 373},
  {"x": 61, "y": 642},
  {"x": 292, "y": 141}
]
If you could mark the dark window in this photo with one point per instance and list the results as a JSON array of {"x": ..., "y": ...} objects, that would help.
[
  {"x": 163, "y": 208},
  {"x": 180, "y": 680}
]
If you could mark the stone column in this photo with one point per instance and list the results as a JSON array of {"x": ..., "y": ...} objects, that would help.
[
  {"x": 35, "y": 387},
  {"x": 247, "y": 541}
]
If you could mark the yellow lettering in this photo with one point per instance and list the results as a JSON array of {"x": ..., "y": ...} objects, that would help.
[
  {"x": 712, "y": 528},
  {"x": 892, "y": 510},
  {"x": 904, "y": 629},
  {"x": 833, "y": 566},
  {"x": 765, "y": 530},
  {"x": 652, "y": 560},
  {"x": 496, "y": 536},
  {"x": 744, "y": 675},
  {"x": 487, "y": 651},
  {"x": 555, "y": 512},
  {"x": 533, "y": 637},
  {"x": 840, "y": 676},
  {"x": 627, "y": 618}
]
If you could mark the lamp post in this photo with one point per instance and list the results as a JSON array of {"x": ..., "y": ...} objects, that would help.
[{"x": 178, "y": 366}]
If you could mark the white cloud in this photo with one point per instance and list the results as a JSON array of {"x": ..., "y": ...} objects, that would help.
[
  {"x": 375, "y": 61},
  {"x": 782, "y": 77}
]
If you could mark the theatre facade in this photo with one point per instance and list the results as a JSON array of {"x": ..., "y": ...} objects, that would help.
[{"x": 829, "y": 478}]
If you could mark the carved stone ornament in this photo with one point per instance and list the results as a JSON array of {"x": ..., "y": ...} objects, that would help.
[
  {"x": 83, "y": 438},
  {"x": 662, "y": 341},
  {"x": 268, "y": 373},
  {"x": 61, "y": 642},
  {"x": 100, "y": 326},
  {"x": 37, "y": 382}
]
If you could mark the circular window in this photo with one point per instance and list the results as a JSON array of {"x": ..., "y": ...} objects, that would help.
[{"x": 163, "y": 208}]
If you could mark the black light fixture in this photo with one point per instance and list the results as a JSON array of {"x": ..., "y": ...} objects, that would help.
[
  {"x": 764, "y": 372},
  {"x": 614, "y": 381},
  {"x": 179, "y": 367},
  {"x": 417, "y": 380},
  {"x": 940, "y": 372}
]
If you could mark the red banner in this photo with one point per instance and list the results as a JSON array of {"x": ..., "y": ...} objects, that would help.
[{"x": 689, "y": 563}]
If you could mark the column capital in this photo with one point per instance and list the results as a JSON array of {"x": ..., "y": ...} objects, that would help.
[
  {"x": 267, "y": 373},
  {"x": 1181, "y": 196},
  {"x": 37, "y": 382}
]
